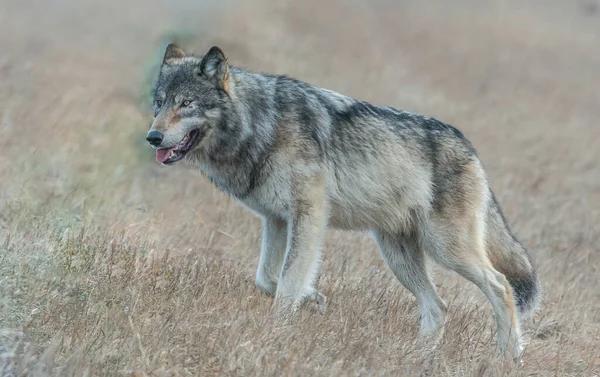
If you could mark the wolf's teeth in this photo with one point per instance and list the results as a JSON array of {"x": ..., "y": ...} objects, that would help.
[{"x": 172, "y": 154}]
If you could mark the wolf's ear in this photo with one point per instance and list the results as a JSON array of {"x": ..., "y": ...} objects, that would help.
[
  {"x": 214, "y": 66},
  {"x": 173, "y": 52}
]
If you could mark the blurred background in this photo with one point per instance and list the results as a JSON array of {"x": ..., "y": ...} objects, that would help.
[{"x": 79, "y": 185}]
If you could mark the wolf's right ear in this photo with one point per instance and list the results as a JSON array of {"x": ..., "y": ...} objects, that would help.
[
  {"x": 214, "y": 66},
  {"x": 173, "y": 52}
]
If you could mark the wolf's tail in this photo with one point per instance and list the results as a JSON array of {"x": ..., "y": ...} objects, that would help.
[{"x": 510, "y": 258}]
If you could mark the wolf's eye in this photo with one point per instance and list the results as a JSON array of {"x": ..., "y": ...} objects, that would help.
[
  {"x": 186, "y": 103},
  {"x": 158, "y": 103}
]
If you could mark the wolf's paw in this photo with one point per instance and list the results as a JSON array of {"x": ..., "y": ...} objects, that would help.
[
  {"x": 429, "y": 340},
  {"x": 317, "y": 301},
  {"x": 513, "y": 350},
  {"x": 284, "y": 310},
  {"x": 286, "y": 307},
  {"x": 266, "y": 286}
]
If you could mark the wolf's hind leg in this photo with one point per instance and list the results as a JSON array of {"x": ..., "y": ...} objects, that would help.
[
  {"x": 407, "y": 261},
  {"x": 464, "y": 253},
  {"x": 497, "y": 290},
  {"x": 272, "y": 252}
]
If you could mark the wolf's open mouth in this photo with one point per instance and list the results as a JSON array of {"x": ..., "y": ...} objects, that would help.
[{"x": 175, "y": 153}]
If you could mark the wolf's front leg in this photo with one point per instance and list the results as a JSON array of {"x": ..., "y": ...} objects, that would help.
[
  {"x": 306, "y": 228},
  {"x": 272, "y": 252}
]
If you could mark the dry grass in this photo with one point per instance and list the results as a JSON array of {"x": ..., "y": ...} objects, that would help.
[{"x": 111, "y": 265}]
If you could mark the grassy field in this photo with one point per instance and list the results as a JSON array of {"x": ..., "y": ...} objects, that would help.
[{"x": 111, "y": 265}]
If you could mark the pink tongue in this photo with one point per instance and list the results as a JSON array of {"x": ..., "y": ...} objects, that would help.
[{"x": 163, "y": 154}]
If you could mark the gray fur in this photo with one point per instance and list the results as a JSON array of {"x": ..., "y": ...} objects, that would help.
[{"x": 305, "y": 158}]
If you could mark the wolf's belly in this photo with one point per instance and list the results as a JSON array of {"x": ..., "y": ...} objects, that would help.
[
  {"x": 392, "y": 216},
  {"x": 377, "y": 199}
]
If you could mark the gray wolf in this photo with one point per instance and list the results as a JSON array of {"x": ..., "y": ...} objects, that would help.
[{"x": 305, "y": 158}]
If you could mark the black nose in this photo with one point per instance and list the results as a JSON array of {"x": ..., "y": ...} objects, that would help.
[{"x": 155, "y": 138}]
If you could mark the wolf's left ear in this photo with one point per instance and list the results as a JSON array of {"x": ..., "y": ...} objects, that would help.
[
  {"x": 214, "y": 66},
  {"x": 173, "y": 52}
]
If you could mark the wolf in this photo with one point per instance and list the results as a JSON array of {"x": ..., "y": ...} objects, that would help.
[{"x": 304, "y": 158}]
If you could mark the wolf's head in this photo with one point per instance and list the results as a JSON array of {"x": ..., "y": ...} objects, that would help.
[{"x": 191, "y": 95}]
